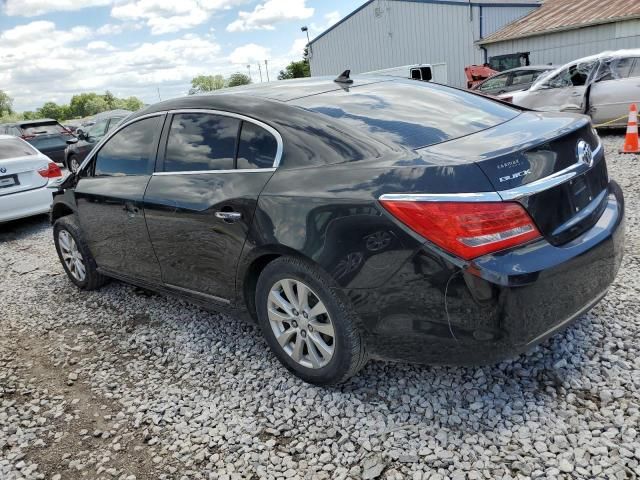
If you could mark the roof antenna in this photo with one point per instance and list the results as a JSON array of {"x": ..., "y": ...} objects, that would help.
[{"x": 344, "y": 77}]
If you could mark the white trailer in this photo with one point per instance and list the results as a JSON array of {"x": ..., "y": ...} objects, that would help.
[{"x": 427, "y": 72}]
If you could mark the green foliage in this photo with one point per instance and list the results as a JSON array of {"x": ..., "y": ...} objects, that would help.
[
  {"x": 206, "y": 83},
  {"x": 237, "y": 79},
  {"x": 6, "y": 104},
  {"x": 299, "y": 69},
  {"x": 80, "y": 106}
]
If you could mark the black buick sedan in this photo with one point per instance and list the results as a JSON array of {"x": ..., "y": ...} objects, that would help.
[{"x": 383, "y": 218}]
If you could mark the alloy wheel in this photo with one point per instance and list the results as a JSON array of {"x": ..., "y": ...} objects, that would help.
[
  {"x": 72, "y": 256},
  {"x": 301, "y": 323}
]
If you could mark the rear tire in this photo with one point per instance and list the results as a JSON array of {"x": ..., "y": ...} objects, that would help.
[
  {"x": 307, "y": 325},
  {"x": 73, "y": 164},
  {"x": 74, "y": 254}
]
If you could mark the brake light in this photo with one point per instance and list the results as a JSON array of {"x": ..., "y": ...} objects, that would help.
[
  {"x": 467, "y": 229},
  {"x": 52, "y": 171},
  {"x": 507, "y": 99}
]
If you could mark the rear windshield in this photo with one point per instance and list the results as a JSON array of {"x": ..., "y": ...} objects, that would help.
[
  {"x": 42, "y": 128},
  {"x": 411, "y": 113},
  {"x": 12, "y": 148}
]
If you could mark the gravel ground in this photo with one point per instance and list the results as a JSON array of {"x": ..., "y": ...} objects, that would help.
[{"x": 123, "y": 384}]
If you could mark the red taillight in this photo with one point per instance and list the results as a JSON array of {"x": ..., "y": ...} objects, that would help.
[
  {"x": 467, "y": 229},
  {"x": 52, "y": 171},
  {"x": 507, "y": 99}
]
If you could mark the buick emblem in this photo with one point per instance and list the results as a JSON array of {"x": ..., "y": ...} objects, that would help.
[
  {"x": 585, "y": 155},
  {"x": 3, "y": 170}
]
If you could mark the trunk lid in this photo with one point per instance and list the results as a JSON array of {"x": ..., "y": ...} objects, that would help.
[
  {"x": 21, "y": 174},
  {"x": 534, "y": 159}
]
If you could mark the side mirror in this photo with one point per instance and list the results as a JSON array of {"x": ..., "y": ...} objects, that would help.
[
  {"x": 71, "y": 141},
  {"x": 79, "y": 131}
]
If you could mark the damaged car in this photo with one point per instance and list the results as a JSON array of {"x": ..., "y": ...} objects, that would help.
[{"x": 601, "y": 86}]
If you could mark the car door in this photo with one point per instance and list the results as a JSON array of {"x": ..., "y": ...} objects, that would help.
[
  {"x": 564, "y": 91},
  {"x": 201, "y": 200},
  {"x": 109, "y": 196},
  {"x": 616, "y": 87}
]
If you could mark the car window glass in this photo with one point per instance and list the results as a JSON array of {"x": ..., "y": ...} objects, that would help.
[
  {"x": 635, "y": 72},
  {"x": 114, "y": 123},
  {"x": 13, "y": 147},
  {"x": 98, "y": 129},
  {"x": 498, "y": 81},
  {"x": 130, "y": 151},
  {"x": 522, "y": 78},
  {"x": 615, "y": 69},
  {"x": 201, "y": 141},
  {"x": 43, "y": 129},
  {"x": 257, "y": 148}
]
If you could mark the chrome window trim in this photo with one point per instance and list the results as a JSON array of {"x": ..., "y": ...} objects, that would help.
[
  {"x": 200, "y": 172},
  {"x": 512, "y": 194},
  {"x": 110, "y": 134},
  {"x": 269, "y": 128}
]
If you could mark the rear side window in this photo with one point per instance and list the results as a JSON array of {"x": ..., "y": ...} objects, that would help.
[
  {"x": 131, "y": 151},
  {"x": 200, "y": 142},
  {"x": 12, "y": 148},
  {"x": 43, "y": 129},
  {"x": 523, "y": 77},
  {"x": 635, "y": 71},
  {"x": 498, "y": 81},
  {"x": 257, "y": 148}
]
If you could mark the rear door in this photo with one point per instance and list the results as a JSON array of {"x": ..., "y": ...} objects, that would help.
[
  {"x": 200, "y": 202},
  {"x": 616, "y": 87},
  {"x": 109, "y": 196},
  {"x": 19, "y": 165}
]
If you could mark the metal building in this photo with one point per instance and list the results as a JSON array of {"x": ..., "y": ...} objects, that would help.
[
  {"x": 389, "y": 33},
  {"x": 563, "y": 30}
]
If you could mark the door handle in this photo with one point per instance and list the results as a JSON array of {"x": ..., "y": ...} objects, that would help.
[{"x": 229, "y": 217}]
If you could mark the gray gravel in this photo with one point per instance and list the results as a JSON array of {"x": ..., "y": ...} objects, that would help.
[{"x": 123, "y": 384}]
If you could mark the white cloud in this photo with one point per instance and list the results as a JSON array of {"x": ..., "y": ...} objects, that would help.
[
  {"x": 250, "y": 53},
  {"x": 297, "y": 48},
  {"x": 32, "y": 8},
  {"x": 266, "y": 15},
  {"x": 330, "y": 19},
  {"x": 166, "y": 16},
  {"x": 100, "y": 45},
  {"x": 41, "y": 32}
]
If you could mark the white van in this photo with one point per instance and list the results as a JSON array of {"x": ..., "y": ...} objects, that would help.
[{"x": 427, "y": 72}]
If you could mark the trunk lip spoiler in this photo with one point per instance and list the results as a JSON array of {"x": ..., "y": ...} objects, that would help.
[{"x": 512, "y": 194}]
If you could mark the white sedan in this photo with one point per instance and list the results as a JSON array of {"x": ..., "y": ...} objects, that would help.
[{"x": 25, "y": 174}]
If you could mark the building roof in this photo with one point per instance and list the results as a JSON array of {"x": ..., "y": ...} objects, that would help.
[
  {"x": 461, "y": 3},
  {"x": 562, "y": 15}
]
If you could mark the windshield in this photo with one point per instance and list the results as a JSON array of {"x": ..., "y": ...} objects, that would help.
[{"x": 13, "y": 148}]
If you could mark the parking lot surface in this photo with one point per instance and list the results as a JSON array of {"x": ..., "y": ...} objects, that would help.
[{"x": 122, "y": 383}]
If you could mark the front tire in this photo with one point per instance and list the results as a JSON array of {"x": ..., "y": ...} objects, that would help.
[
  {"x": 306, "y": 324},
  {"x": 73, "y": 164},
  {"x": 74, "y": 254}
]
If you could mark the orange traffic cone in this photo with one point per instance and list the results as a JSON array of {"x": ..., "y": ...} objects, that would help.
[{"x": 631, "y": 144}]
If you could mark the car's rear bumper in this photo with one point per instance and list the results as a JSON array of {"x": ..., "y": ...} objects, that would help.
[
  {"x": 434, "y": 311},
  {"x": 25, "y": 204}
]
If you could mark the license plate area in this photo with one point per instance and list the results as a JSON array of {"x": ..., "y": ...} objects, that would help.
[
  {"x": 580, "y": 193},
  {"x": 9, "y": 181}
]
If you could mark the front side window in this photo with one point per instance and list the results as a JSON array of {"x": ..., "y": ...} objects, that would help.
[
  {"x": 113, "y": 123},
  {"x": 131, "y": 151},
  {"x": 499, "y": 81},
  {"x": 200, "y": 142},
  {"x": 257, "y": 148},
  {"x": 524, "y": 77},
  {"x": 97, "y": 130},
  {"x": 635, "y": 71}
]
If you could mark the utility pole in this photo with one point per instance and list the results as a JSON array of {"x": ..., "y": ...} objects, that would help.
[
  {"x": 158, "y": 89},
  {"x": 260, "y": 71},
  {"x": 266, "y": 69},
  {"x": 249, "y": 70}
]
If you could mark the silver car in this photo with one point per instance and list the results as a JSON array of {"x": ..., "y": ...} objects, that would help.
[
  {"x": 520, "y": 78},
  {"x": 602, "y": 86}
]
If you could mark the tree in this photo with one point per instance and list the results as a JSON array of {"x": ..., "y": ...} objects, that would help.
[
  {"x": 51, "y": 110},
  {"x": 299, "y": 69},
  {"x": 132, "y": 103},
  {"x": 237, "y": 79},
  {"x": 206, "y": 83},
  {"x": 6, "y": 104}
]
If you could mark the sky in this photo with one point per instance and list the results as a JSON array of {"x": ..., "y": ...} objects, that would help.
[{"x": 53, "y": 49}]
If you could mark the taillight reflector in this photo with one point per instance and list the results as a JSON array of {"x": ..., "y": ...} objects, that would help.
[
  {"x": 52, "y": 171},
  {"x": 467, "y": 229}
]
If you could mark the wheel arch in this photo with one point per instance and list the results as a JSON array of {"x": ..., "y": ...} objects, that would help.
[
  {"x": 59, "y": 210},
  {"x": 252, "y": 266}
]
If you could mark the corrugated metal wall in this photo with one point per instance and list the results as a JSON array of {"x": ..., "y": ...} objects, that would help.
[
  {"x": 388, "y": 33},
  {"x": 563, "y": 47}
]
